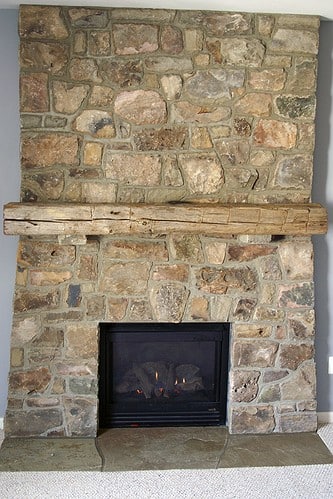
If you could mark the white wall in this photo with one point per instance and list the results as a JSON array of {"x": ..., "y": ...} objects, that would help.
[
  {"x": 9, "y": 181},
  {"x": 322, "y": 192}
]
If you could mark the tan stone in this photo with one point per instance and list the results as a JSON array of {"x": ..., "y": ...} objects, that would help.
[
  {"x": 190, "y": 113},
  {"x": 139, "y": 311},
  {"x": 88, "y": 18},
  {"x": 42, "y": 150},
  {"x": 166, "y": 64},
  {"x": 267, "y": 79},
  {"x": 214, "y": 48},
  {"x": 254, "y": 104},
  {"x": 68, "y": 97},
  {"x": 133, "y": 169},
  {"x": 252, "y": 419},
  {"x": 301, "y": 324},
  {"x": 175, "y": 137},
  {"x": 265, "y": 24},
  {"x": 96, "y": 307},
  {"x": 272, "y": 133},
  {"x": 200, "y": 138},
  {"x": 193, "y": 40},
  {"x": 220, "y": 280},
  {"x": 294, "y": 40},
  {"x": 84, "y": 70},
  {"x": 262, "y": 158},
  {"x": 81, "y": 416},
  {"x": 32, "y": 423},
  {"x": 92, "y": 153},
  {"x": 116, "y": 308},
  {"x": 122, "y": 249},
  {"x": 215, "y": 251},
  {"x": 127, "y": 278},
  {"x": 39, "y": 254},
  {"x": 302, "y": 385},
  {"x": 175, "y": 272},
  {"x": 220, "y": 307},
  {"x": 233, "y": 152},
  {"x": 75, "y": 347},
  {"x": 21, "y": 276},
  {"x": 99, "y": 43},
  {"x": 152, "y": 15},
  {"x": 16, "y": 357},
  {"x": 141, "y": 107},
  {"x": 252, "y": 251},
  {"x": 242, "y": 51},
  {"x": 28, "y": 300},
  {"x": 49, "y": 24},
  {"x": 227, "y": 24},
  {"x": 214, "y": 84},
  {"x": 194, "y": 167},
  {"x": 201, "y": 60},
  {"x": 80, "y": 42},
  {"x": 306, "y": 136},
  {"x": 24, "y": 330},
  {"x": 47, "y": 278},
  {"x": 122, "y": 73},
  {"x": 171, "y": 173},
  {"x": 34, "y": 96},
  {"x": 297, "y": 259},
  {"x": 292, "y": 355},
  {"x": 251, "y": 331},
  {"x": 135, "y": 38},
  {"x": 30, "y": 381},
  {"x": 259, "y": 353},
  {"x": 199, "y": 308},
  {"x": 101, "y": 96},
  {"x": 293, "y": 423},
  {"x": 186, "y": 248},
  {"x": 244, "y": 385},
  {"x": 277, "y": 61},
  {"x": 51, "y": 337},
  {"x": 172, "y": 86},
  {"x": 41, "y": 56},
  {"x": 46, "y": 186},
  {"x": 87, "y": 267},
  {"x": 95, "y": 123},
  {"x": 168, "y": 301},
  {"x": 98, "y": 192},
  {"x": 171, "y": 40}
]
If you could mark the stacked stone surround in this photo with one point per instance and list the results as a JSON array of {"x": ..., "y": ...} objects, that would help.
[{"x": 146, "y": 106}]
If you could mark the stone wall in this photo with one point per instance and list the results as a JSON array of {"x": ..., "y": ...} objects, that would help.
[{"x": 122, "y": 105}]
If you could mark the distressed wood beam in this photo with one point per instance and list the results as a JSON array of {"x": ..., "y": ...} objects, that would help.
[{"x": 209, "y": 219}]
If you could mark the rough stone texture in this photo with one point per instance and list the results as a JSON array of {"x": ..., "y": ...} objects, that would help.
[
  {"x": 150, "y": 105},
  {"x": 253, "y": 419},
  {"x": 203, "y": 173},
  {"x": 141, "y": 107}
]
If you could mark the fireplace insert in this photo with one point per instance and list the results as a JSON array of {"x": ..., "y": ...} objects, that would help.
[{"x": 163, "y": 374}]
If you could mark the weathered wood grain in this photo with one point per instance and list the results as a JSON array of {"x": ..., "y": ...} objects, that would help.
[{"x": 208, "y": 219}]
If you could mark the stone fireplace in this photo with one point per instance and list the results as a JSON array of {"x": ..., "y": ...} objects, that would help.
[{"x": 125, "y": 110}]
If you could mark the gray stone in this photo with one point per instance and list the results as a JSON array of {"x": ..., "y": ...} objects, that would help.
[
  {"x": 88, "y": 18},
  {"x": 298, "y": 295},
  {"x": 258, "y": 353},
  {"x": 202, "y": 173},
  {"x": 135, "y": 38},
  {"x": 291, "y": 40},
  {"x": 244, "y": 385},
  {"x": 242, "y": 51},
  {"x": 227, "y": 24},
  {"x": 162, "y": 138},
  {"x": 141, "y": 107},
  {"x": 81, "y": 416},
  {"x": 294, "y": 172},
  {"x": 252, "y": 419},
  {"x": 233, "y": 152},
  {"x": 214, "y": 84},
  {"x": 296, "y": 107},
  {"x": 96, "y": 123},
  {"x": 220, "y": 280},
  {"x": 123, "y": 74},
  {"x": 168, "y": 301},
  {"x": 31, "y": 422},
  {"x": 302, "y": 385},
  {"x": 292, "y": 423}
]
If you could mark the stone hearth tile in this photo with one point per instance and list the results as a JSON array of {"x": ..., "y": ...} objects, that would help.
[
  {"x": 161, "y": 448},
  {"x": 49, "y": 454},
  {"x": 275, "y": 450}
]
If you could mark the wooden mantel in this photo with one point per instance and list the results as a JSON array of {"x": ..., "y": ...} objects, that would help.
[{"x": 209, "y": 219}]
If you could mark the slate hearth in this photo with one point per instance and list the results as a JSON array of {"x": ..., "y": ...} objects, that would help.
[
  {"x": 128, "y": 449},
  {"x": 144, "y": 106}
]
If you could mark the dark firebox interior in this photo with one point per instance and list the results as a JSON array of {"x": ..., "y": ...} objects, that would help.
[{"x": 163, "y": 374}]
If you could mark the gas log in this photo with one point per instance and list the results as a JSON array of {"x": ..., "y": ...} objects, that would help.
[{"x": 156, "y": 379}]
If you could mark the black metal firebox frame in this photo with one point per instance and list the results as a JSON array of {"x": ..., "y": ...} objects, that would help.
[{"x": 115, "y": 414}]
